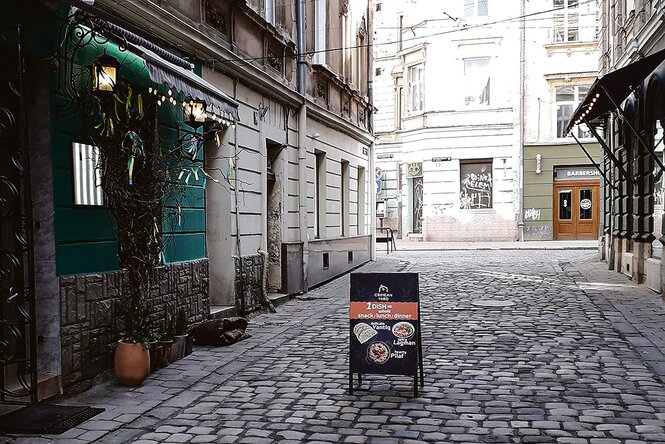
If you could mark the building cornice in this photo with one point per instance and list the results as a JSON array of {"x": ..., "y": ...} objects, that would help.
[{"x": 190, "y": 39}]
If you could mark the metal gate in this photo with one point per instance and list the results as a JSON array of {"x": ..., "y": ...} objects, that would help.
[{"x": 17, "y": 296}]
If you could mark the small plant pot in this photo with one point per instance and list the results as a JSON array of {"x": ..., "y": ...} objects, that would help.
[
  {"x": 155, "y": 355},
  {"x": 189, "y": 345},
  {"x": 178, "y": 349},
  {"x": 166, "y": 353}
]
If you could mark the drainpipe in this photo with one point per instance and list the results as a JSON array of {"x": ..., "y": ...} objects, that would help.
[
  {"x": 302, "y": 138},
  {"x": 520, "y": 174},
  {"x": 243, "y": 307},
  {"x": 370, "y": 125}
]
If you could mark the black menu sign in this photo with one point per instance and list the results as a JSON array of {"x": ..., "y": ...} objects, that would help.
[{"x": 385, "y": 325}]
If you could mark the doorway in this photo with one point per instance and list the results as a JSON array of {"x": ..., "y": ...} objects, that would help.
[
  {"x": 576, "y": 210},
  {"x": 274, "y": 216}
]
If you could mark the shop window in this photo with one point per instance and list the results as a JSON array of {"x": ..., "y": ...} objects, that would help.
[
  {"x": 567, "y": 98},
  {"x": 477, "y": 81},
  {"x": 416, "y": 88},
  {"x": 476, "y": 184},
  {"x": 566, "y": 21},
  {"x": 87, "y": 175},
  {"x": 475, "y": 8}
]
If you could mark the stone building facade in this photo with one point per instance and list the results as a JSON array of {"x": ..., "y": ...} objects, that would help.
[
  {"x": 277, "y": 201},
  {"x": 629, "y": 114}
]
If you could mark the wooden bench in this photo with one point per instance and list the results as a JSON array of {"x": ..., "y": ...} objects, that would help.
[{"x": 386, "y": 235}]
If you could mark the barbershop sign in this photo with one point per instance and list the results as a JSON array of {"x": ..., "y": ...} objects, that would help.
[{"x": 576, "y": 173}]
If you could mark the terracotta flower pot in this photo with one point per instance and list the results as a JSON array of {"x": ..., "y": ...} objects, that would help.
[{"x": 131, "y": 364}]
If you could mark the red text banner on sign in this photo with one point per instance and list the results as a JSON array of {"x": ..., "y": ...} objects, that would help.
[{"x": 385, "y": 311}]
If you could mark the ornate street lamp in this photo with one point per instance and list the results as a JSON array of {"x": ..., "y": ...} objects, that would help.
[
  {"x": 104, "y": 72},
  {"x": 195, "y": 112}
]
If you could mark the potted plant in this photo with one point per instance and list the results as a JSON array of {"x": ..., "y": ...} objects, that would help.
[
  {"x": 134, "y": 181},
  {"x": 180, "y": 337}
]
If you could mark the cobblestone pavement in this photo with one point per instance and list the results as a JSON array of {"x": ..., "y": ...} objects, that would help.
[{"x": 568, "y": 359}]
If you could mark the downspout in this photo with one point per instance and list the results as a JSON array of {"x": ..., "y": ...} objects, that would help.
[
  {"x": 520, "y": 174},
  {"x": 243, "y": 307},
  {"x": 370, "y": 123},
  {"x": 302, "y": 139}
]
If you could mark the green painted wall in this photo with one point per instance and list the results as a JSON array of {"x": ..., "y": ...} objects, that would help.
[
  {"x": 184, "y": 221},
  {"x": 85, "y": 239},
  {"x": 538, "y": 188}
]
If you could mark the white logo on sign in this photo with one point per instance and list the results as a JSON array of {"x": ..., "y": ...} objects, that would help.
[
  {"x": 383, "y": 289},
  {"x": 585, "y": 204}
]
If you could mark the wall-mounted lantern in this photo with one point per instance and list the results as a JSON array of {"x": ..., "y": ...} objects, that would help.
[
  {"x": 195, "y": 113},
  {"x": 104, "y": 72}
]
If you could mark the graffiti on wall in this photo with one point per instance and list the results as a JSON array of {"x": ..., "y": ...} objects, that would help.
[{"x": 531, "y": 214}]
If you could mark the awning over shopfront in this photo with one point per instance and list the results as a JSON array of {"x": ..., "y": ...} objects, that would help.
[
  {"x": 610, "y": 90},
  {"x": 187, "y": 82},
  {"x": 165, "y": 68}
]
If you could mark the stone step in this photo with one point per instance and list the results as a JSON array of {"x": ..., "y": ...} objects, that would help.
[
  {"x": 48, "y": 386},
  {"x": 278, "y": 299},
  {"x": 222, "y": 311}
]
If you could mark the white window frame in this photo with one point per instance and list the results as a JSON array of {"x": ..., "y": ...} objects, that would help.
[
  {"x": 561, "y": 33},
  {"x": 577, "y": 98},
  {"x": 87, "y": 175},
  {"x": 477, "y": 99},
  {"x": 474, "y": 5},
  {"x": 320, "y": 20},
  {"x": 416, "y": 88}
]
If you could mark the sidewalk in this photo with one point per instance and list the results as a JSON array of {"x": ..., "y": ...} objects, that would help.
[{"x": 411, "y": 245}]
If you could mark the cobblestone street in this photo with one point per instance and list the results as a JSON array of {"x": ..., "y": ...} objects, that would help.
[{"x": 519, "y": 346}]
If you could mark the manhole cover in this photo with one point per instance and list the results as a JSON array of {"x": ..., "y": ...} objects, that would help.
[{"x": 492, "y": 303}]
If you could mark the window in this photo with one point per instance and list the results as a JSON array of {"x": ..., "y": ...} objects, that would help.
[
  {"x": 586, "y": 204},
  {"x": 320, "y": 196},
  {"x": 567, "y": 99},
  {"x": 566, "y": 21},
  {"x": 416, "y": 88},
  {"x": 475, "y": 8},
  {"x": 344, "y": 210},
  {"x": 565, "y": 205},
  {"x": 362, "y": 191},
  {"x": 87, "y": 175},
  {"x": 398, "y": 107},
  {"x": 476, "y": 184},
  {"x": 270, "y": 11},
  {"x": 320, "y": 32},
  {"x": 477, "y": 81},
  {"x": 628, "y": 7}
]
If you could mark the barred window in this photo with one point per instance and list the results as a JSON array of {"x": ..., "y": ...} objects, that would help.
[{"x": 87, "y": 175}]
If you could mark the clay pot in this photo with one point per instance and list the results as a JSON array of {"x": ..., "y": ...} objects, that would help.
[
  {"x": 131, "y": 364},
  {"x": 166, "y": 352},
  {"x": 155, "y": 355}
]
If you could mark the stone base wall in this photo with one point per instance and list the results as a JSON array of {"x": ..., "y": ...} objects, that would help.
[
  {"x": 470, "y": 226},
  {"x": 91, "y": 315},
  {"x": 249, "y": 283}
]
